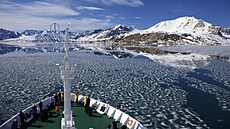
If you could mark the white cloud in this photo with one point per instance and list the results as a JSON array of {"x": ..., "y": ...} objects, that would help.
[
  {"x": 109, "y": 17},
  {"x": 91, "y": 24},
  {"x": 132, "y": 3},
  {"x": 37, "y": 9},
  {"x": 137, "y": 17},
  {"x": 89, "y": 8},
  {"x": 39, "y": 15},
  {"x": 21, "y": 22}
]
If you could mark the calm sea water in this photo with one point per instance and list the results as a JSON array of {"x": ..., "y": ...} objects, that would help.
[{"x": 156, "y": 95}]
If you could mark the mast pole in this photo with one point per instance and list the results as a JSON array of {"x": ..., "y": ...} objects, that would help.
[{"x": 67, "y": 74}]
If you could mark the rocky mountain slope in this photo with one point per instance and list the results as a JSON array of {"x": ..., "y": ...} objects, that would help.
[
  {"x": 184, "y": 30},
  {"x": 49, "y": 36},
  {"x": 31, "y": 32},
  {"x": 7, "y": 34},
  {"x": 105, "y": 35}
]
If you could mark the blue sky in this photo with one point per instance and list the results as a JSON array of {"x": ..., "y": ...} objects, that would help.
[{"x": 84, "y": 15}]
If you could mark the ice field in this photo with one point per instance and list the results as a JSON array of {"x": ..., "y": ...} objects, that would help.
[{"x": 158, "y": 96}]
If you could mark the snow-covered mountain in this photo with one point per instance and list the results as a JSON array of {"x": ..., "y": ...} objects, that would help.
[
  {"x": 7, "y": 34},
  {"x": 35, "y": 35},
  {"x": 105, "y": 35},
  {"x": 49, "y": 36},
  {"x": 87, "y": 35},
  {"x": 31, "y": 32},
  {"x": 183, "y": 30},
  {"x": 95, "y": 35},
  {"x": 182, "y": 25}
]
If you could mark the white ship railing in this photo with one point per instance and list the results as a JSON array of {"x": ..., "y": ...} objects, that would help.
[
  {"x": 112, "y": 112},
  {"x": 8, "y": 123},
  {"x": 109, "y": 110}
]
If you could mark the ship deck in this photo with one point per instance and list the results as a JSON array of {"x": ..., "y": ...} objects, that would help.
[{"x": 82, "y": 120}]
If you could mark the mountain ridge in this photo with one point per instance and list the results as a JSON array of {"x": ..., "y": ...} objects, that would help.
[
  {"x": 183, "y": 30},
  {"x": 6, "y": 34}
]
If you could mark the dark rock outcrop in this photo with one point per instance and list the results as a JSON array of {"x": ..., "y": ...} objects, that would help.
[{"x": 7, "y": 34}]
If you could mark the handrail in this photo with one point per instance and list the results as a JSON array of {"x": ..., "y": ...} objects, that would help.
[
  {"x": 123, "y": 118},
  {"x": 8, "y": 123},
  {"x": 117, "y": 114}
]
